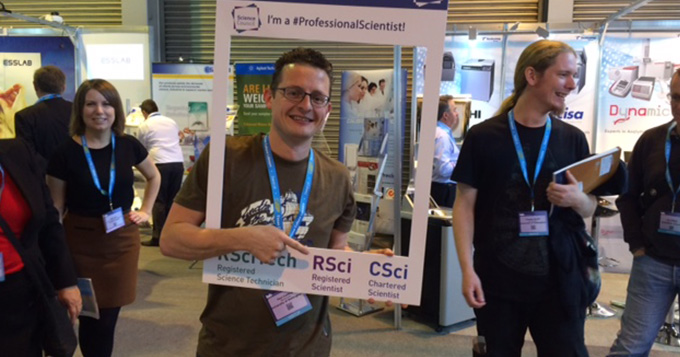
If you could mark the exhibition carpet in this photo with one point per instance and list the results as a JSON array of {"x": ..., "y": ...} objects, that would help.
[{"x": 163, "y": 321}]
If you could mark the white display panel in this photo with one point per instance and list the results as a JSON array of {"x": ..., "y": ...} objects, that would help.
[
  {"x": 121, "y": 58},
  {"x": 116, "y": 61}
]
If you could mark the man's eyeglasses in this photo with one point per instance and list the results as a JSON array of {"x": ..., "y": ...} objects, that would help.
[
  {"x": 297, "y": 95},
  {"x": 674, "y": 97}
]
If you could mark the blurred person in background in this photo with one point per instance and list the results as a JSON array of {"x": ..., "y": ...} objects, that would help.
[
  {"x": 160, "y": 135},
  {"x": 44, "y": 125}
]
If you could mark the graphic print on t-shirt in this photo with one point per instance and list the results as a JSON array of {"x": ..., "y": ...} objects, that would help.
[{"x": 261, "y": 213}]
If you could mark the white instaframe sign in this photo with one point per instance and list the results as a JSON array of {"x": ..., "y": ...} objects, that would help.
[{"x": 325, "y": 271}]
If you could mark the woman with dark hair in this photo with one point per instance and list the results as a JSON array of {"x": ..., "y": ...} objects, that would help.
[
  {"x": 26, "y": 206},
  {"x": 91, "y": 181}
]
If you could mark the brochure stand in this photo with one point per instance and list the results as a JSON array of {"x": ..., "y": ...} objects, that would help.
[
  {"x": 363, "y": 228},
  {"x": 596, "y": 309}
]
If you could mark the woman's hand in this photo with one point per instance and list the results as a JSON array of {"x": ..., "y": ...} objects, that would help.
[{"x": 71, "y": 300}]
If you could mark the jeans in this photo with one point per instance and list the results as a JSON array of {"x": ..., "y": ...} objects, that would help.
[{"x": 652, "y": 287}]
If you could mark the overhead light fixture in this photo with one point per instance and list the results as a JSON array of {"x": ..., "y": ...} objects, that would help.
[
  {"x": 541, "y": 31},
  {"x": 472, "y": 33}
]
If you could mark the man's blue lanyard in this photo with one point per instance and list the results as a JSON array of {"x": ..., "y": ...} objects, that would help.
[
  {"x": 520, "y": 152},
  {"x": 93, "y": 171},
  {"x": 2, "y": 185},
  {"x": 669, "y": 179},
  {"x": 276, "y": 193},
  {"x": 154, "y": 114},
  {"x": 48, "y": 97}
]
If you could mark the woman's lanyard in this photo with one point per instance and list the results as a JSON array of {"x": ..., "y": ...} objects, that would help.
[
  {"x": 669, "y": 179},
  {"x": 274, "y": 182},
  {"x": 522, "y": 158},
  {"x": 93, "y": 171}
]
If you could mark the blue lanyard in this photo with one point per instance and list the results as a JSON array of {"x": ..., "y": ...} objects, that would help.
[
  {"x": 520, "y": 152},
  {"x": 276, "y": 193},
  {"x": 48, "y": 97},
  {"x": 93, "y": 171},
  {"x": 154, "y": 114},
  {"x": 2, "y": 186},
  {"x": 669, "y": 179}
]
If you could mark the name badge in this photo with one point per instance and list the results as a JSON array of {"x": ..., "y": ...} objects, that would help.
[
  {"x": 286, "y": 306},
  {"x": 114, "y": 220},
  {"x": 533, "y": 224},
  {"x": 2, "y": 268},
  {"x": 669, "y": 223}
]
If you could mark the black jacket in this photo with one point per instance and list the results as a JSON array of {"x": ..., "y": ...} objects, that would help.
[
  {"x": 44, "y": 126},
  {"x": 43, "y": 237},
  {"x": 649, "y": 194}
]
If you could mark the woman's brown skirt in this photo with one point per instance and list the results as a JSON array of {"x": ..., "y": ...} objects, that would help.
[{"x": 110, "y": 260}]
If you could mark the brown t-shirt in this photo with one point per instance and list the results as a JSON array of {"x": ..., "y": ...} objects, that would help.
[{"x": 236, "y": 321}]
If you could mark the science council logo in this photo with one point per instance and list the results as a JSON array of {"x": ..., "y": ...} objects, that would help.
[{"x": 246, "y": 18}]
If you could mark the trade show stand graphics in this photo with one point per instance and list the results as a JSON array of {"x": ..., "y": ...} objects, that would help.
[
  {"x": 324, "y": 271},
  {"x": 366, "y": 119},
  {"x": 580, "y": 103},
  {"x": 634, "y": 84},
  {"x": 252, "y": 79},
  {"x": 182, "y": 93},
  {"x": 478, "y": 74},
  {"x": 20, "y": 57},
  {"x": 41, "y": 51},
  {"x": 121, "y": 57}
]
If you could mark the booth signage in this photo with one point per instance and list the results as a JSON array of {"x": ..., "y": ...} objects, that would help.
[
  {"x": 324, "y": 271},
  {"x": 367, "y": 120},
  {"x": 178, "y": 86},
  {"x": 635, "y": 81},
  {"x": 252, "y": 79},
  {"x": 475, "y": 72},
  {"x": 20, "y": 57}
]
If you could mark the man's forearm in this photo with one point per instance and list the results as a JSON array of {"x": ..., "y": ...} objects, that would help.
[
  {"x": 187, "y": 241},
  {"x": 587, "y": 206},
  {"x": 463, "y": 239},
  {"x": 463, "y": 218}
]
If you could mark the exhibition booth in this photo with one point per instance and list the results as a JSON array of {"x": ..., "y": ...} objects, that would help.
[
  {"x": 120, "y": 55},
  {"x": 623, "y": 79}
]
